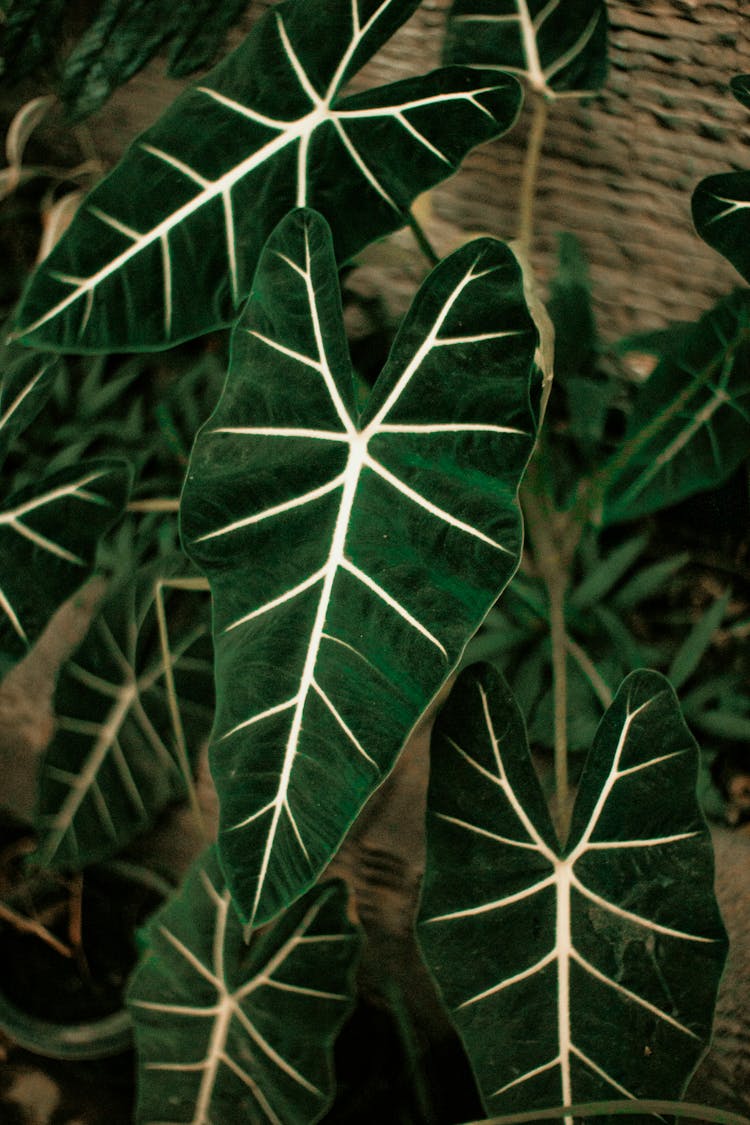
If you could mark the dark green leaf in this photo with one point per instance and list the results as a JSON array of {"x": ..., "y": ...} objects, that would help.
[
  {"x": 721, "y": 213},
  {"x": 689, "y": 427},
  {"x": 648, "y": 581},
  {"x": 115, "y": 759},
  {"x": 350, "y": 558},
  {"x": 740, "y": 87},
  {"x": 696, "y": 644},
  {"x": 29, "y": 35},
  {"x": 49, "y": 531},
  {"x": 26, "y": 385},
  {"x": 558, "y": 47},
  {"x": 607, "y": 573},
  {"x": 165, "y": 247},
  {"x": 584, "y": 972},
  {"x": 230, "y": 1030}
]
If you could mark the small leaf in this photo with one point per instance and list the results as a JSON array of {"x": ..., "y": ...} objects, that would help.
[
  {"x": 234, "y": 1030},
  {"x": 606, "y": 574},
  {"x": 721, "y": 213},
  {"x": 585, "y": 972},
  {"x": 648, "y": 581},
  {"x": 29, "y": 35},
  {"x": 350, "y": 556},
  {"x": 49, "y": 532},
  {"x": 559, "y": 48},
  {"x": 696, "y": 644},
  {"x": 689, "y": 428},
  {"x": 113, "y": 763},
  {"x": 740, "y": 87},
  {"x": 26, "y": 385},
  {"x": 165, "y": 247}
]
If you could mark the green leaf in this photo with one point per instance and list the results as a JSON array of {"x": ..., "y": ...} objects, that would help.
[
  {"x": 26, "y": 385},
  {"x": 689, "y": 428},
  {"x": 115, "y": 762},
  {"x": 696, "y": 644},
  {"x": 583, "y": 972},
  {"x": 608, "y": 572},
  {"x": 350, "y": 558},
  {"x": 721, "y": 213},
  {"x": 165, "y": 247},
  {"x": 740, "y": 87},
  {"x": 234, "y": 1030},
  {"x": 127, "y": 33},
  {"x": 49, "y": 532},
  {"x": 648, "y": 581},
  {"x": 559, "y": 48},
  {"x": 29, "y": 34}
]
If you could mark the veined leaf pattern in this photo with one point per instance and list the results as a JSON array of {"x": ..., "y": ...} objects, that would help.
[
  {"x": 350, "y": 558},
  {"x": 26, "y": 384},
  {"x": 165, "y": 248},
  {"x": 721, "y": 203},
  {"x": 234, "y": 1030},
  {"x": 48, "y": 536},
  {"x": 690, "y": 427},
  {"x": 559, "y": 47},
  {"x": 114, "y": 762},
  {"x": 600, "y": 960}
]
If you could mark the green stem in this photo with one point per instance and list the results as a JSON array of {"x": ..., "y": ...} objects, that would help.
[
  {"x": 422, "y": 240},
  {"x": 634, "y": 1106},
  {"x": 174, "y": 707},
  {"x": 531, "y": 172}
]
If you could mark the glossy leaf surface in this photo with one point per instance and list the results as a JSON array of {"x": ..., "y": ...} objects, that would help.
[
  {"x": 721, "y": 203},
  {"x": 49, "y": 531},
  {"x": 114, "y": 762},
  {"x": 559, "y": 47},
  {"x": 690, "y": 427},
  {"x": 229, "y": 1030},
  {"x": 165, "y": 248},
  {"x": 600, "y": 960},
  {"x": 350, "y": 557}
]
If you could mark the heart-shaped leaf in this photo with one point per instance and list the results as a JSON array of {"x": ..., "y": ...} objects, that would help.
[
  {"x": 234, "y": 1030},
  {"x": 721, "y": 203},
  {"x": 580, "y": 973},
  {"x": 350, "y": 558},
  {"x": 165, "y": 248},
  {"x": 558, "y": 47},
  {"x": 26, "y": 384},
  {"x": 116, "y": 760},
  {"x": 690, "y": 427},
  {"x": 49, "y": 531}
]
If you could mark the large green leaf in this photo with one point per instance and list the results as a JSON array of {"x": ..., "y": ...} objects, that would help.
[
  {"x": 558, "y": 46},
  {"x": 165, "y": 248},
  {"x": 116, "y": 760},
  {"x": 234, "y": 1030},
  {"x": 721, "y": 204},
  {"x": 26, "y": 382},
  {"x": 127, "y": 33},
  {"x": 350, "y": 558},
  {"x": 49, "y": 531},
  {"x": 579, "y": 973},
  {"x": 689, "y": 427}
]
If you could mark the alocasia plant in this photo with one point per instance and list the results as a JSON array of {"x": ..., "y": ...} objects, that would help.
[
  {"x": 327, "y": 531},
  {"x": 353, "y": 543}
]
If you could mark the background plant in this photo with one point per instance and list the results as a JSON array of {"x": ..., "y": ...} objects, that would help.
[{"x": 126, "y": 276}]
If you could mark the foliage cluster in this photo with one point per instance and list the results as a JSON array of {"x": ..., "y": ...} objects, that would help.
[{"x": 356, "y": 542}]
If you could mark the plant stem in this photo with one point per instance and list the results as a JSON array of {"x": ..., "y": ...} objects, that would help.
[
  {"x": 632, "y": 1106},
  {"x": 590, "y": 671},
  {"x": 422, "y": 240},
  {"x": 158, "y": 504},
  {"x": 174, "y": 708},
  {"x": 29, "y": 926},
  {"x": 531, "y": 172}
]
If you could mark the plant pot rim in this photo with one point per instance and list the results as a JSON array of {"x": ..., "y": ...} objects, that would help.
[{"x": 90, "y": 1039}]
